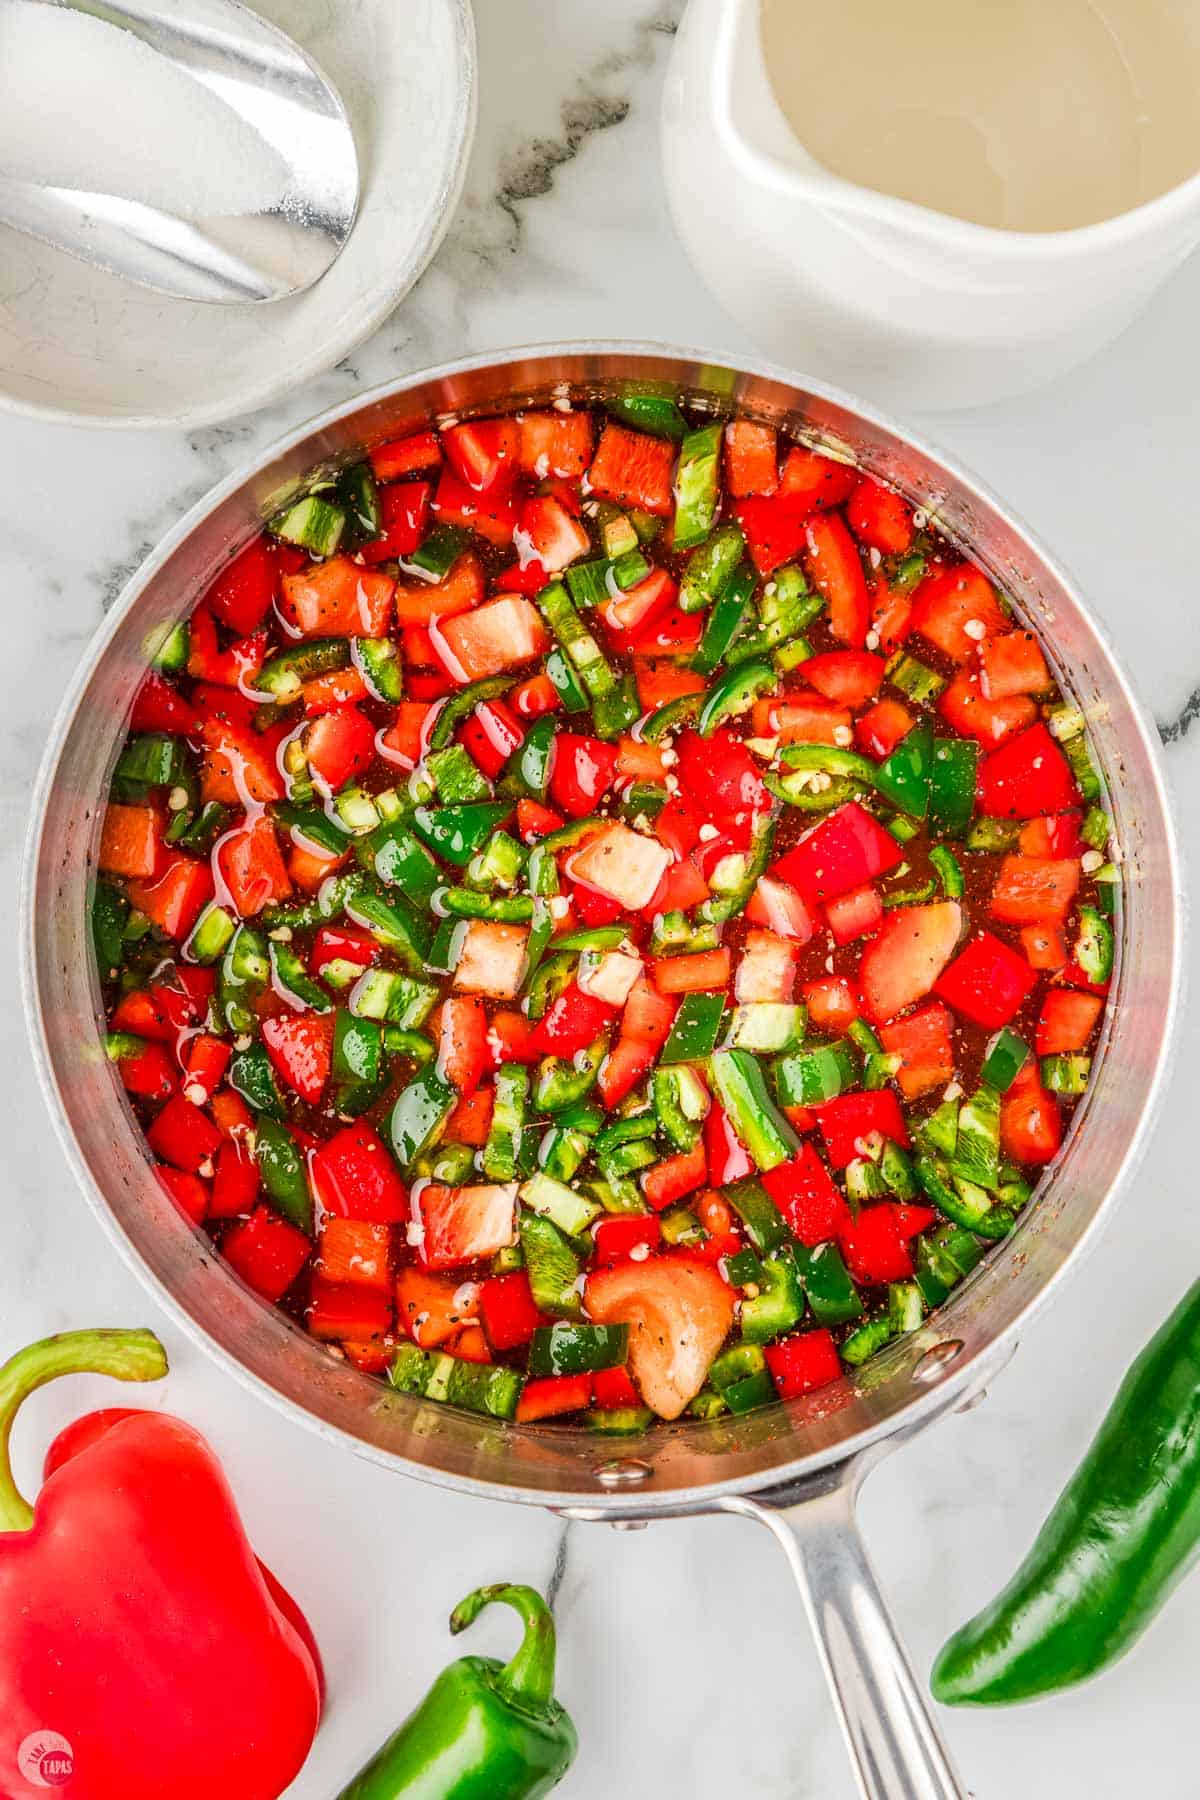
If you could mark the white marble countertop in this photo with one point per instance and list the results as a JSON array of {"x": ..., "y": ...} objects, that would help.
[{"x": 685, "y": 1659}]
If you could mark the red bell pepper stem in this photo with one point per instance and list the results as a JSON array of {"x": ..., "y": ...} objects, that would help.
[
  {"x": 528, "y": 1679},
  {"x": 125, "y": 1355}
]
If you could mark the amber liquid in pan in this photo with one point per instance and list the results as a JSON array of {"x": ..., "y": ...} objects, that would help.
[{"x": 1029, "y": 115}]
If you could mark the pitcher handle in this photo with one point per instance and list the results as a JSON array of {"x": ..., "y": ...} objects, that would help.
[{"x": 895, "y": 1747}]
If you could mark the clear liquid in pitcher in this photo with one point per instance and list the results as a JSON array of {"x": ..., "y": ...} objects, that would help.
[{"x": 1029, "y": 115}]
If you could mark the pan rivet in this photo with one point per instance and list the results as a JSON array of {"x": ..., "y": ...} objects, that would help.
[
  {"x": 937, "y": 1358},
  {"x": 625, "y": 1473}
]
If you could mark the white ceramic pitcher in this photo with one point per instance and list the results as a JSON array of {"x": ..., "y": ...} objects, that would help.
[{"x": 907, "y": 305}]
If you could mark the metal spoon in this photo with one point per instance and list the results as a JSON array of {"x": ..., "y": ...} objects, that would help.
[{"x": 279, "y": 91}]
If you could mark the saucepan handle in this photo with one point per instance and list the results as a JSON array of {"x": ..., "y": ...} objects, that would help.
[{"x": 893, "y": 1742}]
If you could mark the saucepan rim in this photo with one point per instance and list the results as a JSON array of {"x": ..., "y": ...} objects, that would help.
[{"x": 613, "y": 1500}]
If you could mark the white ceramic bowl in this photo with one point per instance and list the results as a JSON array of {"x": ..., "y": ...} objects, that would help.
[{"x": 85, "y": 348}]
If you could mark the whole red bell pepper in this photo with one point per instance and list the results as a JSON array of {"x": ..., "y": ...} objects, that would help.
[{"x": 144, "y": 1651}]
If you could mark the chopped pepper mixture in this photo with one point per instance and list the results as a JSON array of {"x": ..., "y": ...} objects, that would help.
[{"x": 604, "y": 912}]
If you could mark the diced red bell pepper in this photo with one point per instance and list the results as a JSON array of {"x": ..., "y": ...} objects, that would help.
[
  {"x": 671, "y": 632},
  {"x": 266, "y": 1252},
  {"x": 718, "y": 776},
  {"x": 190, "y": 1194},
  {"x": 534, "y": 697},
  {"x": 727, "y": 1158},
  {"x": 751, "y": 458},
  {"x": 483, "y": 451},
  {"x": 406, "y": 455},
  {"x": 405, "y": 737},
  {"x": 573, "y": 1021},
  {"x": 403, "y": 520},
  {"x": 184, "y": 1135},
  {"x": 552, "y": 1395},
  {"x": 300, "y": 1046},
  {"x": 549, "y": 535},
  {"x": 207, "y": 662},
  {"x": 1067, "y": 1021},
  {"x": 176, "y": 896},
  {"x": 581, "y": 773},
  {"x": 847, "y": 1121},
  {"x": 1027, "y": 776},
  {"x": 855, "y": 914},
  {"x": 510, "y": 1039},
  {"x": 1057, "y": 835},
  {"x": 613, "y": 1388},
  {"x": 678, "y": 826},
  {"x": 836, "y": 571},
  {"x": 339, "y": 745},
  {"x": 338, "y": 1310},
  {"x": 625, "y": 1065},
  {"x": 244, "y": 592},
  {"x": 674, "y": 1177},
  {"x": 507, "y": 1308},
  {"x": 340, "y": 598},
  {"x": 1030, "y": 1120},
  {"x": 1033, "y": 889},
  {"x": 648, "y": 1015},
  {"x": 988, "y": 982},
  {"x": 462, "y": 1041},
  {"x": 158, "y": 705},
  {"x": 661, "y": 681},
  {"x": 493, "y": 734},
  {"x": 207, "y": 1060},
  {"x": 142, "y": 1014},
  {"x": 342, "y": 943},
  {"x": 882, "y": 727},
  {"x": 251, "y": 867},
  {"x": 847, "y": 850},
  {"x": 236, "y": 1182},
  {"x": 1013, "y": 664},
  {"x": 701, "y": 972},
  {"x": 806, "y": 1195},
  {"x": 818, "y": 481},
  {"x": 1045, "y": 946},
  {"x": 880, "y": 517},
  {"x": 848, "y": 677},
  {"x": 924, "y": 1042},
  {"x": 681, "y": 888},
  {"x": 634, "y": 609},
  {"x": 891, "y": 614},
  {"x": 521, "y": 578},
  {"x": 831, "y": 1004},
  {"x": 536, "y": 821},
  {"x": 131, "y": 841},
  {"x": 774, "y": 528},
  {"x": 803, "y": 1363},
  {"x": 966, "y": 707},
  {"x": 616, "y": 1239},
  {"x": 151, "y": 1074},
  {"x": 904, "y": 961},
  {"x": 780, "y": 909},
  {"x": 461, "y": 588},
  {"x": 325, "y": 693},
  {"x": 875, "y": 1246},
  {"x": 238, "y": 763},
  {"x": 353, "y": 1176},
  {"x": 950, "y": 600},
  {"x": 555, "y": 444},
  {"x": 634, "y": 469},
  {"x": 491, "y": 511},
  {"x": 471, "y": 1120}
]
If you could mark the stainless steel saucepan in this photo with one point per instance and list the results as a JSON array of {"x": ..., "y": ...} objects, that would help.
[{"x": 796, "y": 1468}]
